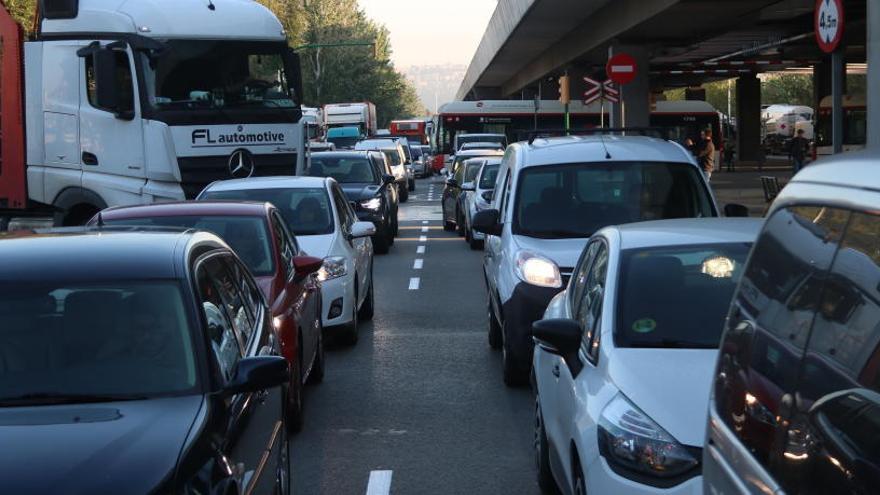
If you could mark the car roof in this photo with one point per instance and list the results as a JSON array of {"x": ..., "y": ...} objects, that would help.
[
  {"x": 598, "y": 148},
  {"x": 659, "y": 233},
  {"x": 856, "y": 169},
  {"x": 478, "y": 153},
  {"x": 343, "y": 154},
  {"x": 473, "y": 144},
  {"x": 276, "y": 182},
  {"x": 98, "y": 254},
  {"x": 185, "y": 208}
]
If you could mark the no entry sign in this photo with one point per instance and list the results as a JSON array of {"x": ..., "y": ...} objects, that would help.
[
  {"x": 621, "y": 68},
  {"x": 829, "y": 24}
]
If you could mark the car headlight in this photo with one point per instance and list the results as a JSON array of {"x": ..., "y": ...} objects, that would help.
[
  {"x": 630, "y": 439},
  {"x": 537, "y": 270},
  {"x": 333, "y": 267},
  {"x": 372, "y": 204}
]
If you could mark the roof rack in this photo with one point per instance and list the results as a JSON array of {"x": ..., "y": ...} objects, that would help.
[{"x": 643, "y": 131}]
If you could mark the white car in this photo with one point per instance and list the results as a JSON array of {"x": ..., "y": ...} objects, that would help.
[
  {"x": 477, "y": 196},
  {"x": 550, "y": 197},
  {"x": 625, "y": 356},
  {"x": 394, "y": 150},
  {"x": 325, "y": 226}
]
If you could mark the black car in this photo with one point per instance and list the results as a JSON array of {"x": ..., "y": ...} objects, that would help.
[
  {"x": 137, "y": 362},
  {"x": 366, "y": 180}
]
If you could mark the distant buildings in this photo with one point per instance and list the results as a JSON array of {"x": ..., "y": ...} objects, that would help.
[{"x": 435, "y": 84}]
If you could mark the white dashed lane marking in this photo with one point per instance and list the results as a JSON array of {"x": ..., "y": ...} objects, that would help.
[
  {"x": 414, "y": 283},
  {"x": 423, "y": 238},
  {"x": 380, "y": 483},
  {"x": 420, "y": 250},
  {"x": 418, "y": 264}
]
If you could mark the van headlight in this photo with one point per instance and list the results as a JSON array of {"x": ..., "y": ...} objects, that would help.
[
  {"x": 628, "y": 438},
  {"x": 537, "y": 270},
  {"x": 333, "y": 267}
]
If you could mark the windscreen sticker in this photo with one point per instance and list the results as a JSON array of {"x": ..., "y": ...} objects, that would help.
[{"x": 645, "y": 325}]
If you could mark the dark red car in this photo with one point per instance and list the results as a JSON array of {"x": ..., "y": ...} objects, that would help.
[{"x": 259, "y": 236}]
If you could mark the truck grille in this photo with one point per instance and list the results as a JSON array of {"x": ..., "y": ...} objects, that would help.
[{"x": 196, "y": 172}]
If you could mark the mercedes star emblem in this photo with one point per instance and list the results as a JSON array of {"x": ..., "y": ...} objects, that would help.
[{"x": 241, "y": 164}]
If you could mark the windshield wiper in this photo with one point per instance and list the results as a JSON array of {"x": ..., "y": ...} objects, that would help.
[{"x": 50, "y": 398}]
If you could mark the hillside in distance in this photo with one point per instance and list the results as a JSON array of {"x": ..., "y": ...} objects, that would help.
[{"x": 435, "y": 84}]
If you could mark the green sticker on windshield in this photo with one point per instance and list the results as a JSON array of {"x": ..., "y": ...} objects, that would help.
[{"x": 645, "y": 325}]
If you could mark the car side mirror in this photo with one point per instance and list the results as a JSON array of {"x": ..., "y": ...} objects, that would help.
[
  {"x": 306, "y": 265},
  {"x": 387, "y": 179},
  {"x": 362, "y": 229},
  {"x": 736, "y": 210},
  {"x": 254, "y": 374},
  {"x": 558, "y": 336},
  {"x": 468, "y": 186},
  {"x": 487, "y": 222}
]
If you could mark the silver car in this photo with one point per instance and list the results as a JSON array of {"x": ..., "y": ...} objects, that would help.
[{"x": 477, "y": 196}]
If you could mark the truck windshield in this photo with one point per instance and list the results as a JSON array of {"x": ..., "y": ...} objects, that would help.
[{"x": 193, "y": 75}]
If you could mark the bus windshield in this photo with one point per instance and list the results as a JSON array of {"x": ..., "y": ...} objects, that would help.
[{"x": 855, "y": 127}]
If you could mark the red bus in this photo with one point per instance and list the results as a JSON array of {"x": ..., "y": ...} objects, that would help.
[
  {"x": 417, "y": 129},
  {"x": 515, "y": 118}
]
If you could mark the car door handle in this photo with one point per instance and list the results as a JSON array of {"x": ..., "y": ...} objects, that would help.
[
  {"x": 555, "y": 370},
  {"x": 89, "y": 158}
]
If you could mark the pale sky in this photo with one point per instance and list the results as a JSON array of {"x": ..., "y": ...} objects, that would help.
[{"x": 432, "y": 32}]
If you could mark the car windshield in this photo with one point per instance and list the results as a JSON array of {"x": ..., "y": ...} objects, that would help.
[
  {"x": 247, "y": 236},
  {"x": 346, "y": 170},
  {"x": 490, "y": 173},
  {"x": 306, "y": 210},
  {"x": 84, "y": 342},
  {"x": 343, "y": 142},
  {"x": 470, "y": 173},
  {"x": 576, "y": 200},
  {"x": 676, "y": 296},
  {"x": 198, "y": 74},
  {"x": 393, "y": 157},
  {"x": 416, "y": 152}
]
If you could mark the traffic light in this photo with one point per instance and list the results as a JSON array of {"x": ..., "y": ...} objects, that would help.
[{"x": 564, "y": 93}]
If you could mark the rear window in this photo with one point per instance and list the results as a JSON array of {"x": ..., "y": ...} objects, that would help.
[
  {"x": 247, "y": 236},
  {"x": 576, "y": 200},
  {"x": 677, "y": 297},
  {"x": 346, "y": 170},
  {"x": 306, "y": 210}
]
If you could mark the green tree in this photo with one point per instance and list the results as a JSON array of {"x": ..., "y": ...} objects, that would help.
[{"x": 794, "y": 89}]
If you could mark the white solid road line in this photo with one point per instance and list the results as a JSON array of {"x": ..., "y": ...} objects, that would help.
[
  {"x": 423, "y": 238},
  {"x": 420, "y": 250},
  {"x": 418, "y": 264},
  {"x": 380, "y": 483},
  {"x": 414, "y": 283}
]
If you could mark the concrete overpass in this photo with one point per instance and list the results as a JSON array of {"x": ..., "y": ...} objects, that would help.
[{"x": 529, "y": 43}]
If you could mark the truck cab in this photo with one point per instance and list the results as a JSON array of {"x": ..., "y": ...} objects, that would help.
[{"x": 137, "y": 102}]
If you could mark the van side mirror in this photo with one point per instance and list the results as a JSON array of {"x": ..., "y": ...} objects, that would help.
[{"x": 487, "y": 222}]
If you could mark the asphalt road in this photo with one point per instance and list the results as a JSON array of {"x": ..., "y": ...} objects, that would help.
[{"x": 421, "y": 394}]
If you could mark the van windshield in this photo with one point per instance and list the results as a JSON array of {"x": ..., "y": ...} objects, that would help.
[{"x": 576, "y": 200}]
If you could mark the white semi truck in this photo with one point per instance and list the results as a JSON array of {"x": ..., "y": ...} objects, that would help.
[
  {"x": 132, "y": 102},
  {"x": 361, "y": 115}
]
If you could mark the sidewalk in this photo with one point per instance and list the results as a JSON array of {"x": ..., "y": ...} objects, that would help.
[{"x": 744, "y": 185}]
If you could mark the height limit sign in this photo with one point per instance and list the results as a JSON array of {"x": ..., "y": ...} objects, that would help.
[{"x": 829, "y": 24}]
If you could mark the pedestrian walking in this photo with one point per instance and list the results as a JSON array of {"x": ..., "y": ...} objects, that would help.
[
  {"x": 797, "y": 151},
  {"x": 706, "y": 157}
]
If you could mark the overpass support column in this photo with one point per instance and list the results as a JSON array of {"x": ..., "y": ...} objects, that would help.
[
  {"x": 748, "y": 117},
  {"x": 635, "y": 110}
]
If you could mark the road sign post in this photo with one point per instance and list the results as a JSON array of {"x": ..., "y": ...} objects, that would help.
[
  {"x": 829, "y": 26},
  {"x": 620, "y": 69}
]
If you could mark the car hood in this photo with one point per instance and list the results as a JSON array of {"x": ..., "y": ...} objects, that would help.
[
  {"x": 119, "y": 447},
  {"x": 564, "y": 252},
  {"x": 316, "y": 245},
  {"x": 358, "y": 192},
  {"x": 669, "y": 385}
]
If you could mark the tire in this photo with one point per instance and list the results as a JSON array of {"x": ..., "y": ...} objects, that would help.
[
  {"x": 404, "y": 194},
  {"x": 381, "y": 241},
  {"x": 350, "y": 331},
  {"x": 542, "y": 453},
  {"x": 317, "y": 374},
  {"x": 475, "y": 244},
  {"x": 367, "y": 309},
  {"x": 495, "y": 337},
  {"x": 513, "y": 373},
  {"x": 295, "y": 396},
  {"x": 459, "y": 225},
  {"x": 282, "y": 476},
  {"x": 411, "y": 185}
]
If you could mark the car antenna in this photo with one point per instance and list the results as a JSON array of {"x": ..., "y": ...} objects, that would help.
[
  {"x": 211, "y": 5},
  {"x": 100, "y": 222},
  {"x": 602, "y": 140}
]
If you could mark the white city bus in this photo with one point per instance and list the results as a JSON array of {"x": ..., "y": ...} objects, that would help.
[{"x": 855, "y": 125}]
